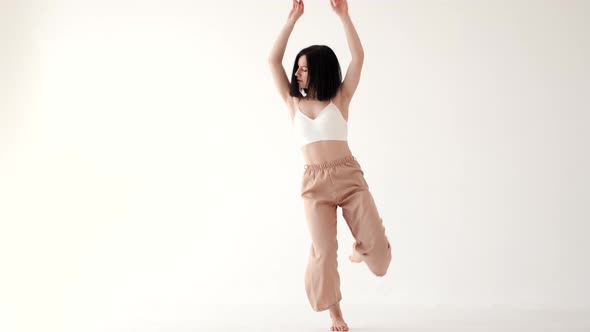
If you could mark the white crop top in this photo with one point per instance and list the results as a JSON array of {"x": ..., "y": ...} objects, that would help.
[{"x": 329, "y": 124}]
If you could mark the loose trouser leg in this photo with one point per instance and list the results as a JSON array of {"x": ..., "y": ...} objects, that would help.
[
  {"x": 361, "y": 214},
  {"x": 322, "y": 281}
]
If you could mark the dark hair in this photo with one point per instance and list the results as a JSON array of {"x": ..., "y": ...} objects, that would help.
[{"x": 323, "y": 72}]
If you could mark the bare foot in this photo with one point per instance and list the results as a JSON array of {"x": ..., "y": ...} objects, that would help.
[
  {"x": 338, "y": 323},
  {"x": 355, "y": 257}
]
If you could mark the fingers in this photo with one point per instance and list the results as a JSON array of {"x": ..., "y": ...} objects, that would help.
[
  {"x": 298, "y": 4},
  {"x": 298, "y": 8}
]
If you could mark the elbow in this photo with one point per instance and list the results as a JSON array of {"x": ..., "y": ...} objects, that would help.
[
  {"x": 358, "y": 55},
  {"x": 273, "y": 60}
]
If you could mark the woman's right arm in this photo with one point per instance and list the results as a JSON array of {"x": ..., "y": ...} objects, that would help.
[{"x": 275, "y": 58}]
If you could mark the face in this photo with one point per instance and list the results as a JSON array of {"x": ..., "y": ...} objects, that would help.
[{"x": 301, "y": 72}]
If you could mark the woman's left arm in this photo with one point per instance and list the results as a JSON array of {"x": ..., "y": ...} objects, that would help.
[{"x": 353, "y": 74}]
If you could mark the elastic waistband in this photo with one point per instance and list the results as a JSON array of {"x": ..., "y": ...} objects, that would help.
[{"x": 330, "y": 164}]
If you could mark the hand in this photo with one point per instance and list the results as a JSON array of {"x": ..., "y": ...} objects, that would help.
[
  {"x": 340, "y": 7},
  {"x": 296, "y": 11}
]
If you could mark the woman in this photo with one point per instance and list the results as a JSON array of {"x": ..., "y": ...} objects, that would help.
[{"x": 332, "y": 176}]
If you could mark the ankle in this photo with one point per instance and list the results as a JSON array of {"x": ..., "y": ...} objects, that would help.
[{"x": 336, "y": 313}]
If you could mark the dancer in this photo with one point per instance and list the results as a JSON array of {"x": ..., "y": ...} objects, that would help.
[{"x": 332, "y": 176}]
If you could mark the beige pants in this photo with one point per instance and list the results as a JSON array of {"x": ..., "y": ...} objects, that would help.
[{"x": 324, "y": 187}]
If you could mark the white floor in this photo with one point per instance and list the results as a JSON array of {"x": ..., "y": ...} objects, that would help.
[{"x": 392, "y": 318}]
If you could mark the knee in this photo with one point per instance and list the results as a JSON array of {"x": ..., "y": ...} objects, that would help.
[
  {"x": 380, "y": 272},
  {"x": 381, "y": 268}
]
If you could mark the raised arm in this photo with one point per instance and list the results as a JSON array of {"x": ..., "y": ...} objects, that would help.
[
  {"x": 353, "y": 73},
  {"x": 275, "y": 59}
]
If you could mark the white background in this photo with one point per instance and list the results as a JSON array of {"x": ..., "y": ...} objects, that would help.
[{"x": 149, "y": 174}]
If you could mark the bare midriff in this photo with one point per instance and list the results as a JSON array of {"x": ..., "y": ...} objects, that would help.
[
  {"x": 322, "y": 151},
  {"x": 327, "y": 150}
]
